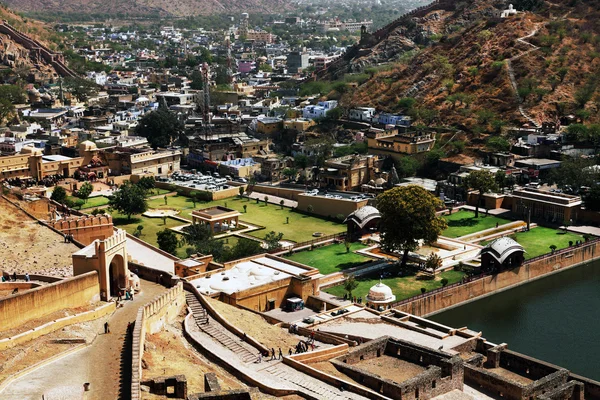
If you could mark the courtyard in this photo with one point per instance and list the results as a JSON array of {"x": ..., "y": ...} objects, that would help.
[
  {"x": 402, "y": 287},
  {"x": 331, "y": 258},
  {"x": 295, "y": 226},
  {"x": 461, "y": 223}
]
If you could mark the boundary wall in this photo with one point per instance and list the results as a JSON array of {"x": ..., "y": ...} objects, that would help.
[
  {"x": 72, "y": 292},
  {"x": 151, "y": 318},
  {"x": 55, "y": 325},
  {"x": 536, "y": 268}
]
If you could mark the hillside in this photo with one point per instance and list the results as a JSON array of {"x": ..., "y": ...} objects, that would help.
[
  {"x": 457, "y": 65},
  {"x": 35, "y": 29},
  {"x": 137, "y": 8}
]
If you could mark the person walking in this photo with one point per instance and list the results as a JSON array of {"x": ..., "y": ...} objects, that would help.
[
  {"x": 27, "y": 277},
  {"x": 106, "y": 327},
  {"x": 280, "y": 354},
  {"x": 290, "y": 352},
  {"x": 259, "y": 360},
  {"x": 131, "y": 291},
  {"x": 273, "y": 354},
  {"x": 120, "y": 296}
]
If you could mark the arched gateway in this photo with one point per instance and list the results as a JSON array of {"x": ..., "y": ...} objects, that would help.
[{"x": 109, "y": 258}]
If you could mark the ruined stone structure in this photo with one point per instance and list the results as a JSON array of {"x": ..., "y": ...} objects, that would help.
[
  {"x": 109, "y": 258},
  {"x": 85, "y": 229},
  {"x": 37, "y": 50},
  {"x": 442, "y": 372}
]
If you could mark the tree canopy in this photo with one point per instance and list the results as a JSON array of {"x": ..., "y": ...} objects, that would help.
[
  {"x": 408, "y": 216},
  {"x": 85, "y": 190},
  {"x": 130, "y": 199},
  {"x": 483, "y": 181},
  {"x": 160, "y": 127},
  {"x": 167, "y": 241},
  {"x": 59, "y": 194}
]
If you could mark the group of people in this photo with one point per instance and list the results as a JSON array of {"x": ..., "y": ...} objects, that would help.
[
  {"x": 354, "y": 298},
  {"x": 266, "y": 354},
  {"x": 7, "y": 278},
  {"x": 128, "y": 293},
  {"x": 68, "y": 237}
]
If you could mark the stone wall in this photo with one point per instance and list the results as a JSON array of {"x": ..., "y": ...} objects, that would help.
[
  {"x": 85, "y": 229},
  {"x": 286, "y": 193},
  {"x": 531, "y": 270},
  {"x": 329, "y": 207},
  {"x": 443, "y": 372},
  {"x": 72, "y": 292},
  {"x": 151, "y": 318}
]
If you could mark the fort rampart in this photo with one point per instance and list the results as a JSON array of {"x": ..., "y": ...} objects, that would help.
[{"x": 73, "y": 292}]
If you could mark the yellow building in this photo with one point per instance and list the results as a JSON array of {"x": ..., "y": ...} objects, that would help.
[
  {"x": 269, "y": 125},
  {"x": 298, "y": 124},
  {"x": 135, "y": 161},
  {"x": 393, "y": 143},
  {"x": 350, "y": 172}
]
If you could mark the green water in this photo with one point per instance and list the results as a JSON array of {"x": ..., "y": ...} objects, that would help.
[{"x": 555, "y": 319}]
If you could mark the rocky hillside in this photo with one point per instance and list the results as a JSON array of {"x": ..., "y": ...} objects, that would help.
[
  {"x": 122, "y": 8},
  {"x": 467, "y": 67}
]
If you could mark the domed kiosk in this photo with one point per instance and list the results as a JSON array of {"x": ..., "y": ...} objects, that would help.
[
  {"x": 500, "y": 254},
  {"x": 362, "y": 221},
  {"x": 380, "y": 295}
]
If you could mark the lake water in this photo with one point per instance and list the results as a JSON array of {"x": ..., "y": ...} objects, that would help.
[{"x": 555, "y": 319}]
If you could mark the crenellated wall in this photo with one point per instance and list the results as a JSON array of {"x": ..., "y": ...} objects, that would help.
[
  {"x": 85, "y": 229},
  {"x": 151, "y": 318}
]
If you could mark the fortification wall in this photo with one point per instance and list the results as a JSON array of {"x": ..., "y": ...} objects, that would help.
[
  {"x": 85, "y": 229},
  {"x": 73, "y": 292},
  {"x": 151, "y": 318},
  {"x": 534, "y": 269}
]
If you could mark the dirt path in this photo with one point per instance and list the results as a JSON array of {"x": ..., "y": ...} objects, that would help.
[{"x": 105, "y": 364}]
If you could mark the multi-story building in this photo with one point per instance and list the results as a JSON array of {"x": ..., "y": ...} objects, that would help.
[
  {"x": 392, "y": 143},
  {"x": 320, "y": 110},
  {"x": 350, "y": 172},
  {"x": 298, "y": 124},
  {"x": 268, "y": 126},
  {"x": 261, "y": 36},
  {"x": 297, "y": 61},
  {"x": 127, "y": 160}
]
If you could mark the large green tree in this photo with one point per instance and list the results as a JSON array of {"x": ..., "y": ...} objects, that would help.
[
  {"x": 84, "y": 191},
  {"x": 196, "y": 233},
  {"x": 130, "y": 199},
  {"x": 59, "y": 194},
  {"x": 167, "y": 241},
  {"x": 13, "y": 93},
  {"x": 408, "y": 216},
  {"x": 81, "y": 88},
  {"x": 483, "y": 181},
  {"x": 592, "y": 199},
  {"x": 160, "y": 127}
]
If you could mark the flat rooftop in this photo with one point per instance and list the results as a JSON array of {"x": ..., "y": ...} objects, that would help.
[{"x": 392, "y": 368}]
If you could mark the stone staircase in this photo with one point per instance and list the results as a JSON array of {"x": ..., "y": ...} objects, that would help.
[
  {"x": 218, "y": 333},
  {"x": 309, "y": 385}
]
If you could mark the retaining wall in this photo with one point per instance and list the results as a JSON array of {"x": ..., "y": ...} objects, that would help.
[{"x": 72, "y": 292}]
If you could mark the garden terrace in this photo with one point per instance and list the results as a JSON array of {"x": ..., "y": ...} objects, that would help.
[
  {"x": 463, "y": 223},
  {"x": 331, "y": 258}
]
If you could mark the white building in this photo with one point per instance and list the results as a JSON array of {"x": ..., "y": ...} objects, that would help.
[{"x": 320, "y": 110}]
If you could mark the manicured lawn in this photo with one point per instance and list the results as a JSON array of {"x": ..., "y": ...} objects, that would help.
[
  {"x": 539, "y": 239},
  {"x": 463, "y": 223},
  {"x": 331, "y": 258},
  {"x": 229, "y": 241},
  {"x": 403, "y": 287},
  {"x": 91, "y": 202},
  {"x": 299, "y": 229},
  {"x": 158, "y": 191}
]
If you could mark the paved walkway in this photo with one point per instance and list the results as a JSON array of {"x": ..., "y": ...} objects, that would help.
[
  {"x": 583, "y": 229},
  {"x": 145, "y": 255},
  {"x": 272, "y": 199},
  {"x": 497, "y": 211},
  {"x": 101, "y": 364}
]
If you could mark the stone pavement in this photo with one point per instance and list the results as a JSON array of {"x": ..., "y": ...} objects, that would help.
[
  {"x": 497, "y": 211},
  {"x": 105, "y": 364},
  {"x": 583, "y": 229},
  {"x": 272, "y": 199}
]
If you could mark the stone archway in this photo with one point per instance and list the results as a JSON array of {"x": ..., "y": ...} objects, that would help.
[{"x": 117, "y": 278}]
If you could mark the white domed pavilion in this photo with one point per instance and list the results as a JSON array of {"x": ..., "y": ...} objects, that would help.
[{"x": 380, "y": 295}]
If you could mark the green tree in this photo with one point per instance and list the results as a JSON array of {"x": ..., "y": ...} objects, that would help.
[
  {"x": 147, "y": 182},
  {"x": 301, "y": 161},
  {"x": 281, "y": 203},
  {"x": 592, "y": 198},
  {"x": 266, "y": 200},
  {"x": 130, "y": 199},
  {"x": 482, "y": 181},
  {"x": 139, "y": 229},
  {"x": 310, "y": 208},
  {"x": 272, "y": 240},
  {"x": 290, "y": 173},
  {"x": 500, "y": 178},
  {"x": 81, "y": 88},
  {"x": 498, "y": 144},
  {"x": 196, "y": 233},
  {"x": 408, "y": 215},
  {"x": 350, "y": 284},
  {"x": 241, "y": 191},
  {"x": 194, "y": 197},
  {"x": 59, "y": 194},
  {"x": 79, "y": 203},
  {"x": 13, "y": 93},
  {"x": 6, "y": 109},
  {"x": 335, "y": 114},
  {"x": 243, "y": 248},
  {"x": 167, "y": 241},
  {"x": 245, "y": 208},
  {"x": 407, "y": 103},
  {"x": 160, "y": 127},
  {"x": 433, "y": 262},
  {"x": 444, "y": 282},
  {"x": 196, "y": 80},
  {"x": 84, "y": 191}
]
